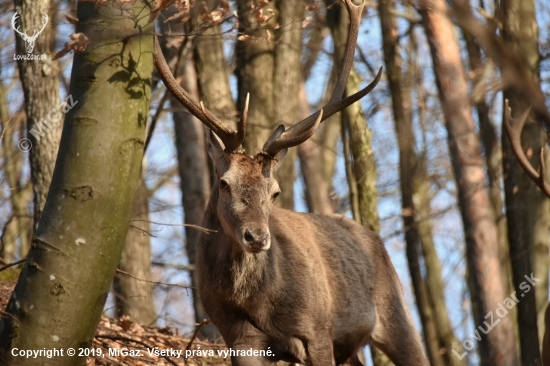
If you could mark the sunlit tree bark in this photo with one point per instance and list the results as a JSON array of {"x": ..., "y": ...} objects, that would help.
[
  {"x": 40, "y": 81},
  {"x": 63, "y": 286},
  {"x": 134, "y": 297},
  {"x": 318, "y": 154},
  {"x": 497, "y": 347},
  {"x": 18, "y": 227},
  {"x": 318, "y": 160}
]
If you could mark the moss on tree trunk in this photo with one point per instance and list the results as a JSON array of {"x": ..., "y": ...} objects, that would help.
[{"x": 62, "y": 289}]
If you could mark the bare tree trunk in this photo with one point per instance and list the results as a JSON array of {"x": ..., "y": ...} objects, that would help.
[
  {"x": 318, "y": 154},
  {"x": 416, "y": 203},
  {"x": 134, "y": 297},
  {"x": 213, "y": 74},
  {"x": 482, "y": 253},
  {"x": 433, "y": 277},
  {"x": 63, "y": 286},
  {"x": 318, "y": 160},
  {"x": 255, "y": 53},
  {"x": 191, "y": 149},
  {"x": 40, "y": 81},
  {"x": 287, "y": 79},
  {"x": 268, "y": 67},
  {"x": 527, "y": 209},
  {"x": 19, "y": 226},
  {"x": 493, "y": 158}
]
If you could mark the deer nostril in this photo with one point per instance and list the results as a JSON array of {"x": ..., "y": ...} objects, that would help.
[{"x": 248, "y": 237}]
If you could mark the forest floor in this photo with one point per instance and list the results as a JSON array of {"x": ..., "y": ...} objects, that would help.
[{"x": 119, "y": 339}]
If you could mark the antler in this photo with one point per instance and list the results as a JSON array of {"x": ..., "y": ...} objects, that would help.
[
  {"x": 15, "y": 16},
  {"x": 301, "y": 131},
  {"x": 231, "y": 139},
  {"x": 513, "y": 130},
  {"x": 37, "y": 32}
]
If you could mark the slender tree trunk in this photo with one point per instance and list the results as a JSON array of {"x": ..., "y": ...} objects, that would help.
[
  {"x": 40, "y": 81},
  {"x": 19, "y": 225},
  {"x": 416, "y": 203},
  {"x": 482, "y": 253},
  {"x": 63, "y": 286},
  {"x": 433, "y": 277},
  {"x": 318, "y": 159},
  {"x": 318, "y": 154},
  {"x": 191, "y": 147},
  {"x": 134, "y": 297},
  {"x": 493, "y": 158},
  {"x": 527, "y": 209}
]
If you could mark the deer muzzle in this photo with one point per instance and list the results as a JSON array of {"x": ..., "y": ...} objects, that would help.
[{"x": 256, "y": 240}]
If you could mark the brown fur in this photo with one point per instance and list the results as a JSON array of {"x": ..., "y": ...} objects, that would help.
[{"x": 322, "y": 287}]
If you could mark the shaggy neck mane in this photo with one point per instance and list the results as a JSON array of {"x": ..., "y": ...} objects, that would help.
[{"x": 247, "y": 271}]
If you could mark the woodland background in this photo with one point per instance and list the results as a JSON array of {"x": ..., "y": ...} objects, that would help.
[{"x": 422, "y": 160}]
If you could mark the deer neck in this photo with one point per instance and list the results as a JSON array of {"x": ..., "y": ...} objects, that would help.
[{"x": 243, "y": 273}]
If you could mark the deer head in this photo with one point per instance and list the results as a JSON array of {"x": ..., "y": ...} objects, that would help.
[
  {"x": 29, "y": 40},
  {"x": 245, "y": 187}
]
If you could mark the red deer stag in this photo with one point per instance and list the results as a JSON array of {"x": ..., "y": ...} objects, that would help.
[{"x": 296, "y": 287}]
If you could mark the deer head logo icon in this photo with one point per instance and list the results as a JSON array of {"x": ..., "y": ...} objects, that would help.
[{"x": 29, "y": 40}]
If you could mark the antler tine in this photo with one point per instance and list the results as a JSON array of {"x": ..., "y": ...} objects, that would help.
[
  {"x": 230, "y": 138},
  {"x": 513, "y": 130},
  {"x": 336, "y": 103},
  {"x": 13, "y": 19},
  {"x": 241, "y": 127},
  {"x": 355, "y": 12},
  {"x": 43, "y": 26},
  {"x": 281, "y": 139}
]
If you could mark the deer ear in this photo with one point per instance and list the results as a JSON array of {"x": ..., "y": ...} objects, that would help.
[
  {"x": 277, "y": 159},
  {"x": 215, "y": 147}
]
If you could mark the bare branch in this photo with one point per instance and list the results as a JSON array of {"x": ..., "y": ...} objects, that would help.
[
  {"x": 200, "y": 228},
  {"x": 154, "y": 282}
]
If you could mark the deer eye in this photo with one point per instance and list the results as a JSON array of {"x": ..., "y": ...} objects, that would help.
[
  {"x": 275, "y": 195},
  {"x": 223, "y": 184}
]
